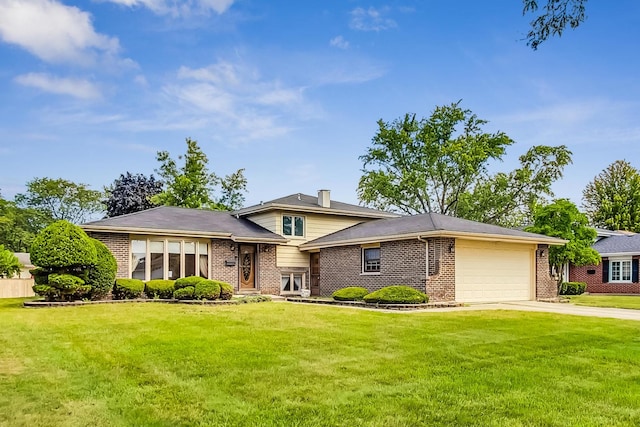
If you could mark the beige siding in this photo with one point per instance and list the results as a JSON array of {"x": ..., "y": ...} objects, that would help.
[
  {"x": 269, "y": 220},
  {"x": 494, "y": 271},
  {"x": 291, "y": 256}
]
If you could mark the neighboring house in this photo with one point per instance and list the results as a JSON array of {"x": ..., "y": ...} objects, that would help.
[
  {"x": 299, "y": 242},
  {"x": 25, "y": 260},
  {"x": 618, "y": 271},
  {"x": 21, "y": 284}
]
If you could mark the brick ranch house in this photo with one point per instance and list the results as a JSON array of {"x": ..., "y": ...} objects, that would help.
[
  {"x": 618, "y": 271},
  {"x": 303, "y": 243}
]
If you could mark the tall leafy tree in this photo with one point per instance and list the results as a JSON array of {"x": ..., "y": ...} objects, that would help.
[
  {"x": 424, "y": 165},
  {"x": 18, "y": 226},
  {"x": 563, "y": 219},
  {"x": 59, "y": 199},
  {"x": 131, "y": 193},
  {"x": 192, "y": 185},
  {"x": 508, "y": 199},
  {"x": 612, "y": 199},
  {"x": 555, "y": 17}
]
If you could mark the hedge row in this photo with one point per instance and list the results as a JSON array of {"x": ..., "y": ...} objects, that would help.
[
  {"x": 186, "y": 288},
  {"x": 572, "y": 288},
  {"x": 397, "y": 294}
]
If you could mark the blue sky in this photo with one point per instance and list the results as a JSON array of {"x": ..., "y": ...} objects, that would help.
[{"x": 292, "y": 90}]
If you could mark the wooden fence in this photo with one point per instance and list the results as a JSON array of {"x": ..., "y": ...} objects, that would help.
[{"x": 16, "y": 288}]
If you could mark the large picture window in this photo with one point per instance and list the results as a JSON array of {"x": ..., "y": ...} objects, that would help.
[
  {"x": 371, "y": 260},
  {"x": 293, "y": 225},
  {"x": 168, "y": 258},
  {"x": 620, "y": 270}
]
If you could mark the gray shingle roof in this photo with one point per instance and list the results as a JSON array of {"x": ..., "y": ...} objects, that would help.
[
  {"x": 418, "y": 224},
  {"x": 173, "y": 219},
  {"x": 618, "y": 244},
  {"x": 305, "y": 202}
]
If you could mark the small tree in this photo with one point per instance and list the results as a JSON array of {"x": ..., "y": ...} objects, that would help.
[
  {"x": 131, "y": 193},
  {"x": 9, "y": 263},
  {"x": 612, "y": 199},
  {"x": 64, "y": 255},
  {"x": 563, "y": 219}
]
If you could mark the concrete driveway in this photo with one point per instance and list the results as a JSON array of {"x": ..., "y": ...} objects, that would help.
[{"x": 546, "y": 307}]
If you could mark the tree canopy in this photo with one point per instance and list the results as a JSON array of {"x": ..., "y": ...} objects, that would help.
[
  {"x": 439, "y": 164},
  {"x": 59, "y": 199},
  {"x": 612, "y": 199},
  {"x": 508, "y": 199},
  {"x": 192, "y": 185},
  {"x": 556, "y": 16},
  {"x": 9, "y": 263},
  {"x": 18, "y": 226},
  {"x": 563, "y": 219},
  {"x": 424, "y": 165},
  {"x": 131, "y": 193}
]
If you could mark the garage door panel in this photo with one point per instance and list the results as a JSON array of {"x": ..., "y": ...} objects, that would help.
[{"x": 493, "y": 271}]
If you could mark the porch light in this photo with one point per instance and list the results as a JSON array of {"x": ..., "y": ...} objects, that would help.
[{"x": 452, "y": 248}]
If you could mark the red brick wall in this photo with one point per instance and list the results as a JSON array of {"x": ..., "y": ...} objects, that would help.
[
  {"x": 441, "y": 284},
  {"x": 401, "y": 263},
  {"x": 118, "y": 244},
  {"x": 268, "y": 273},
  {"x": 546, "y": 286},
  {"x": 594, "y": 281},
  {"x": 219, "y": 253}
]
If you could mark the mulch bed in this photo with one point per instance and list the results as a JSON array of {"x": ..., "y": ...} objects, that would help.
[
  {"x": 402, "y": 307},
  {"x": 40, "y": 303}
]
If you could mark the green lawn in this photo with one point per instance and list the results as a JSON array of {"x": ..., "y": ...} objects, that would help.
[
  {"x": 616, "y": 301},
  {"x": 280, "y": 364}
]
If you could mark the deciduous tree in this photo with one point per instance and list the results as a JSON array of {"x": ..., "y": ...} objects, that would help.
[
  {"x": 131, "y": 193},
  {"x": 612, "y": 199},
  {"x": 193, "y": 186},
  {"x": 19, "y": 226},
  {"x": 424, "y": 165},
  {"x": 563, "y": 219},
  {"x": 508, "y": 199},
  {"x": 557, "y": 15},
  {"x": 59, "y": 199},
  {"x": 9, "y": 263}
]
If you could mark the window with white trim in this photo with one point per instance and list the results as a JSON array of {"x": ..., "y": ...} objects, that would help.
[
  {"x": 170, "y": 258},
  {"x": 620, "y": 270},
  {"x": 370, "y": 260},
  {"x": 292, "y": 225},
  {"x": 292, "y": 283}
]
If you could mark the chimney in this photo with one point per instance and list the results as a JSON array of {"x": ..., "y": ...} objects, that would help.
[{"x": 323, "y": 198}]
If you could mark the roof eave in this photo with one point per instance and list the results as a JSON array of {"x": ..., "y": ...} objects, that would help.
[
  {"x": 311, "y": 209},
  {"x": 436, "y": 233},
  {"x": 618, "y": 254}
]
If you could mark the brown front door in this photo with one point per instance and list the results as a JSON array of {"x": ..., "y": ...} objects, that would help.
[
  {"x": 315, "y": 273},
  {"x": 247, "y": 267}
]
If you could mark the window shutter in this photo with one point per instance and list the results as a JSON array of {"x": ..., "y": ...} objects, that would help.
[
  {"x": 634, "y": 271},
  {"x": 605, "y": 271}
]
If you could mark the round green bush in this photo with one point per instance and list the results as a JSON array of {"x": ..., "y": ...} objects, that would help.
[
  {"x": 183, "y": 282},
  {"x": 159, "y": 289},
  {"x": 102, "y": 274},
  {"x": 184, "y": 293},
  {"x": 350, "y": 293},
  {"x": 396, "y": 295},
  {"x": 226, "y": 291},
  {"x": 572, "y": 288},
  {"x": 207, "y": 289},
  {"x": 68, "y": 286},
  {"x": 62, "y": 245},
  {"x": 128, "y": 289}
]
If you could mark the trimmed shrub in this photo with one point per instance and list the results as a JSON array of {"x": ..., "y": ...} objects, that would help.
[
  {"x": 40, "y": 276},
  {"x": 350, "y": 293},
  {"x": 45, "y": 291},
  {"x": 572, "y": 288},
  {"x": 184, "y": 293},
  {"x": 183, "y": 282},
  {"x": 159, "y": 288},
  {"x": 102, "y": 274},
  {"x": 62, "y": 245},
  {"x": 254, "y": 298},
  {"x": 128, "y": 289},
  {"x": 207, "y": 289},
  {"x": 226, "y": 291},
  {"x": 69, "y": 286},
  {"x": 396, "y": 295}
]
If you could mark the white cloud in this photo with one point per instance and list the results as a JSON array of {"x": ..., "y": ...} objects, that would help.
[
  {"x": 339, "y": 42},
  {"x": 179, "y": 8},
  {"x": 77, "y": 88},
  {"x": 53, "y": 31},
  {"x": 371, "y": 19}
]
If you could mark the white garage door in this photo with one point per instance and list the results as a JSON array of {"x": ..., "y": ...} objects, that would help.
[{"x": 494, "y": 271}]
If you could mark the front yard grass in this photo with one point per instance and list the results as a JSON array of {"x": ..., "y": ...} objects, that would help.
[
  {"x": 613, "y": 301},
  {"x": 282, "y": 364}
]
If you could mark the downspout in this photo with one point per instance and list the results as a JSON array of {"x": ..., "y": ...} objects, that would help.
[{"x": 426, "y": 258}]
